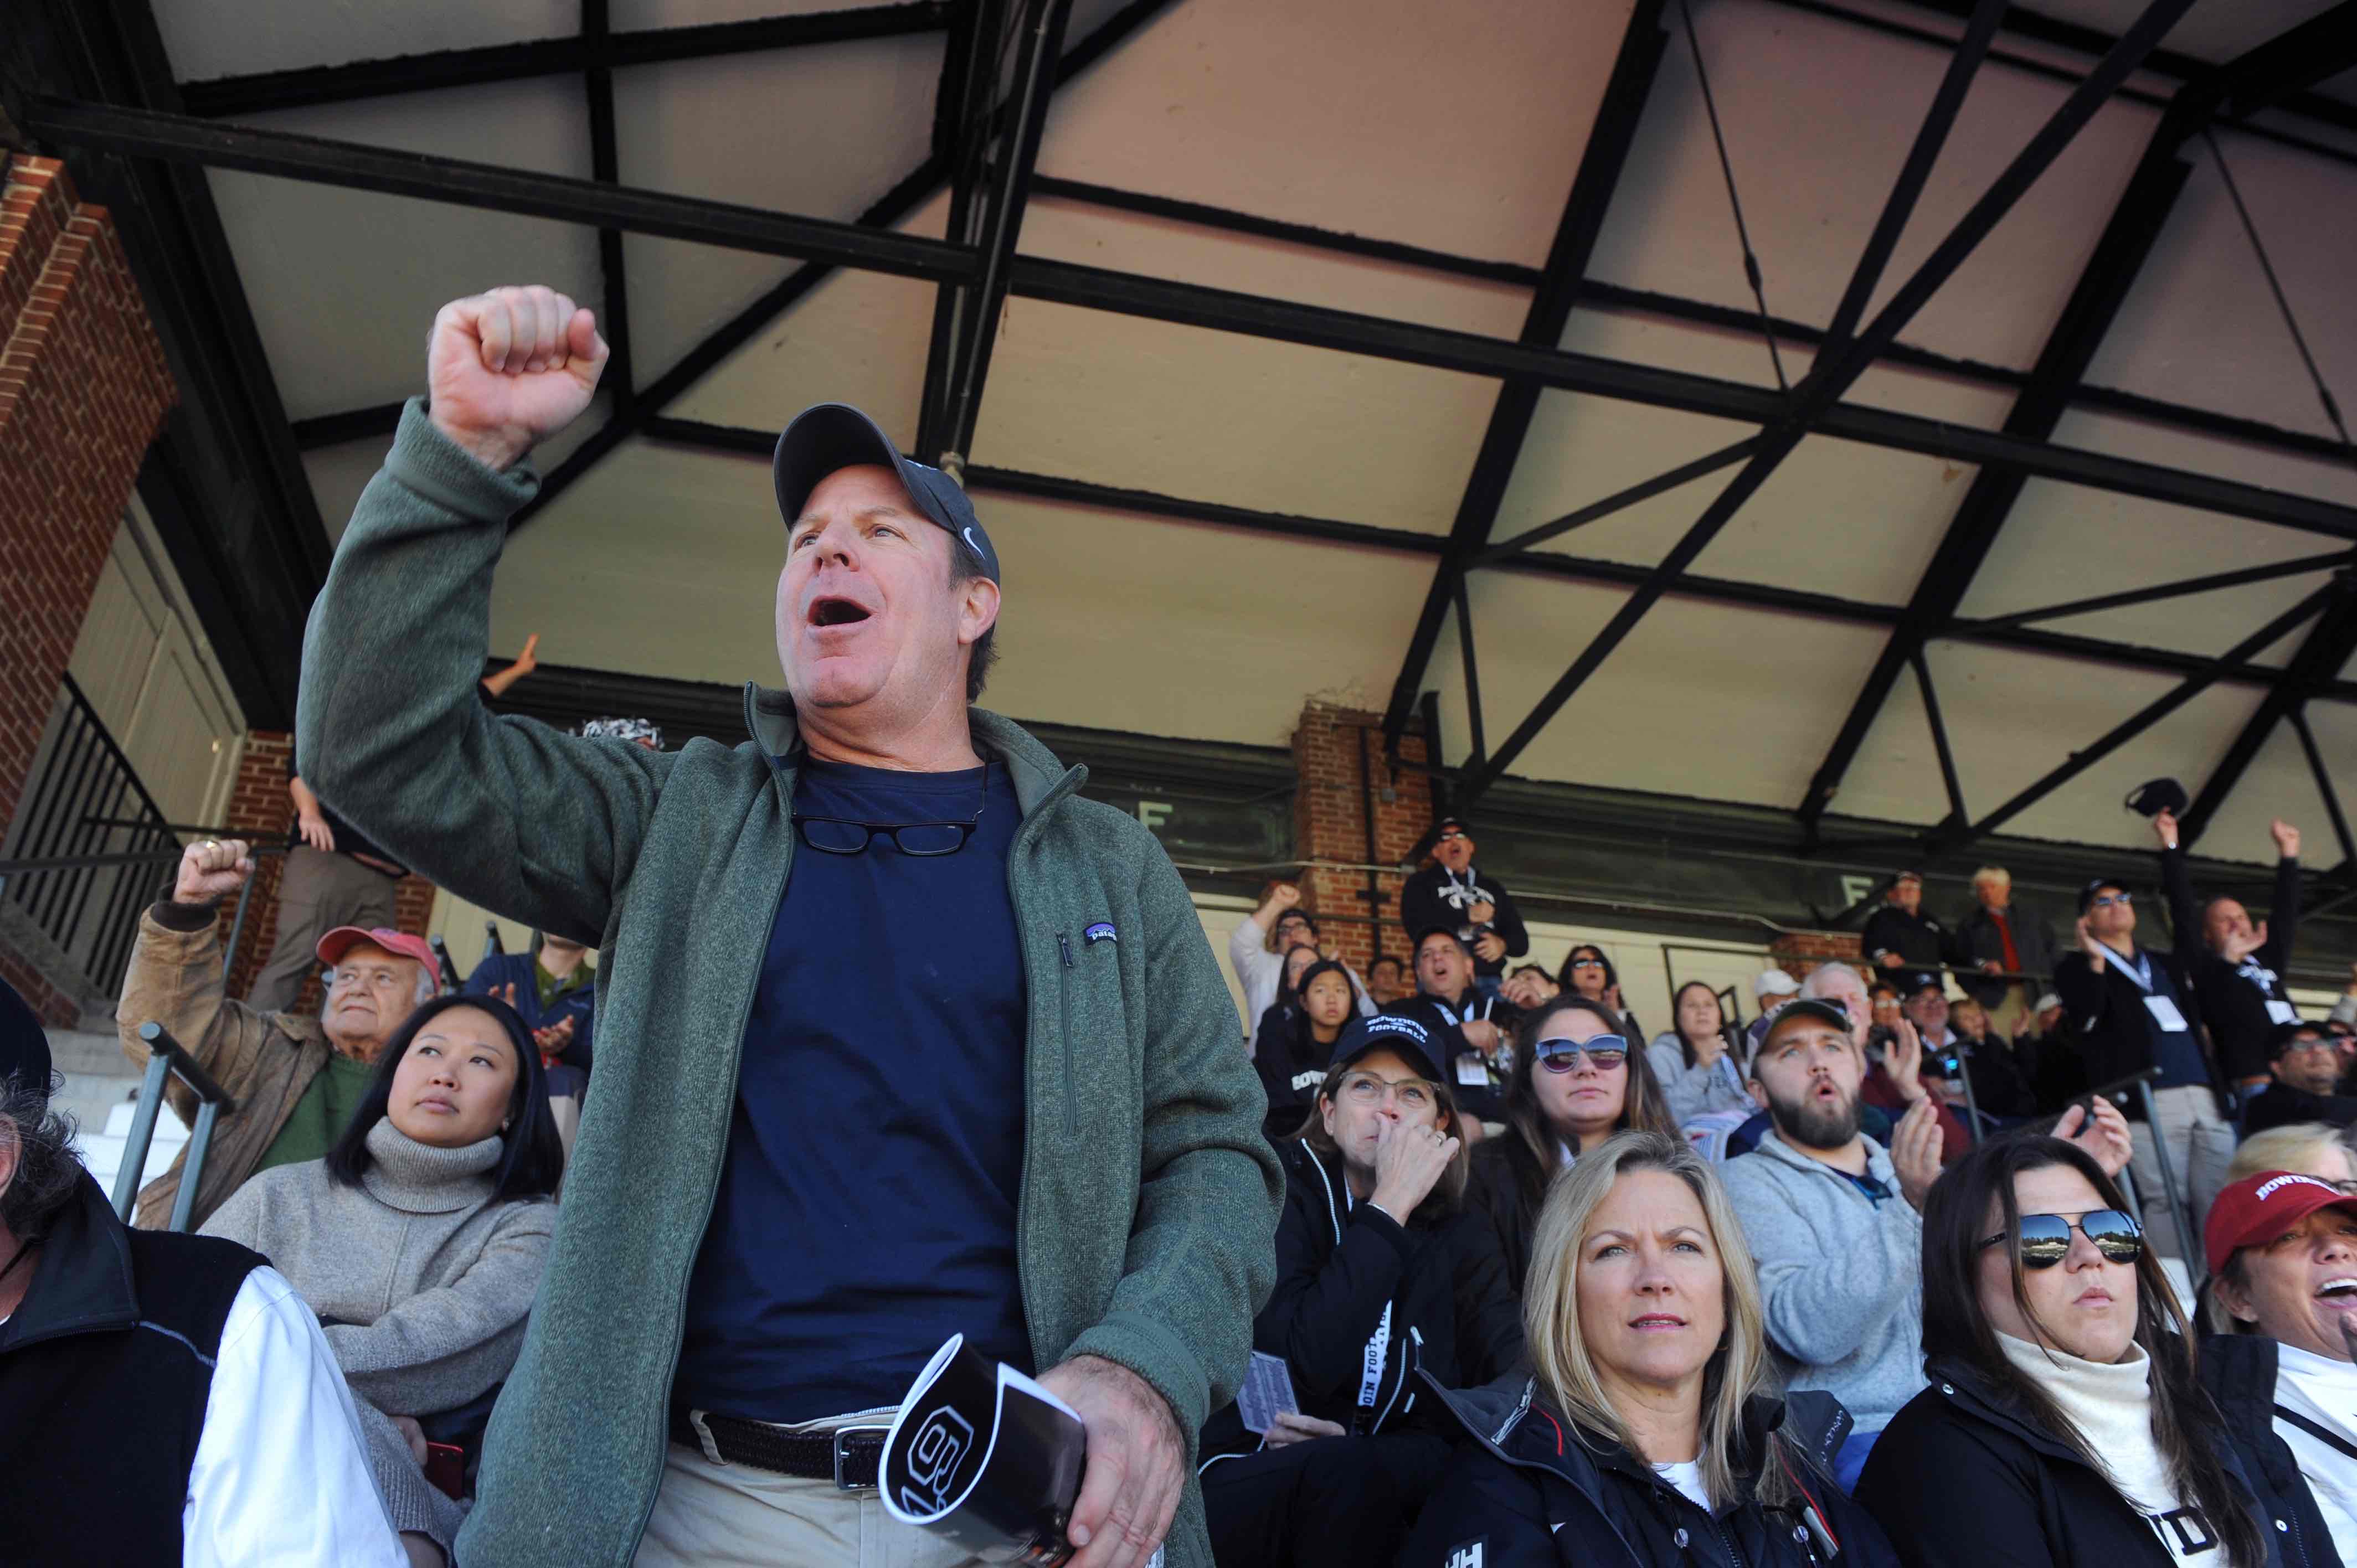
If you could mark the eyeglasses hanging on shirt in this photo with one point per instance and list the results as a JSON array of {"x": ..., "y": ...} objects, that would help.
[{"x": 849, "y": 835}]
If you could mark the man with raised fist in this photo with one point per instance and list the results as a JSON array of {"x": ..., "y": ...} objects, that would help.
[{"x": 771, "y": 1221}]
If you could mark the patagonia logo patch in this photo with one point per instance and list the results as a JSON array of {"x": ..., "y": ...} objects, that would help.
[{"x": 1101, "y": 931}]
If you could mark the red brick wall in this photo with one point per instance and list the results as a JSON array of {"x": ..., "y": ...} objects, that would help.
[
  {"x": 1804, "y": 950},
  {"x": 83, "y": 388},
  {"x": 260, "y": 808},
  {"x": 1330, "y": 824}
]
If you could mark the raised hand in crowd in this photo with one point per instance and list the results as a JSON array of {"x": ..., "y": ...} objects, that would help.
[
  {"x": 553, "y": 1038},
  {"x": 2239, "y": 945},
  {"x": 1490, "y": 947},
  {"x": 1530, "y": 988},
  {"x": 211, "y": 869},
  {"x": 1285, "y": 896},
  {"x": 2287, "y": 838},
  {"x": 1135, "y": 1467},
  {"x": 1409, "y": 1163},
  {"x": 1902, "y": 1059},
  {"x": 506, "y": 370},
  {"x": 499, "y": 681},
  {"x": 1292, "y": 1426},
  {"x": 2104, "y": 1134},
  {"x": 2164, "y": 828},
  {"x": 1482, "y": 1035},
  {"x": 1915, "y": 1143},
  {"x": 2096, "y": 952}
]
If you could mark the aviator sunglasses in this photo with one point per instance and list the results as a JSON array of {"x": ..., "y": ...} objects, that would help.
[
  {"x": 2046, "y": 1238},
  {"x": 1606, "y": 1051}
]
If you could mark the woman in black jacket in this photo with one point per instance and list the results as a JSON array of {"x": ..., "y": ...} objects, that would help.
[
  {"x": 1299, "y": 1037},
  {"x": 1379, "y": 1275},
  {"x": 2064, "y": 1423},
  {"x": 1575, "y": 1083},
  {"x": 1650, "y": 1435},
  {"x": 1587, "y": 971}
]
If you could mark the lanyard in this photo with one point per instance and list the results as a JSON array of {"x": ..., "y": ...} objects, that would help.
[
  {"x": 2141, "y": 970},
  {"x": 1449, "y": 1012}
]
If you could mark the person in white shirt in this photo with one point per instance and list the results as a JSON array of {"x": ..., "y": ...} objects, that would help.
[
  {"x": 1256, "y": 951},
  {"x": 162, "y": 1396},
  {"x": 2282, "y": 1249}
]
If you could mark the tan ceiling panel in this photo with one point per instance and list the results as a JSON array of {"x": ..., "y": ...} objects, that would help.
[
  {"x": 2014, "y": 717},
  {"x": 344, "y": 283},
  {"x": 822, "y": 131},
  {"x": 2215, "y": 33},
  {"x": 1220, "y": 416},
  {"x": 233, "y": 37},
  {"x": 340, "y": 472},
  {"x": 2202, "y": 327},
  {"x": 1457, "y": 127},
  {"x": 1819, "y": 115},
  {"x": 1699, "y": 700},
  {"x": 2280, "y": 783},
  {"x": 634, "y": 15}
]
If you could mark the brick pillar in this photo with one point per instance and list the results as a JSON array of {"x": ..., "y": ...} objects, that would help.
[
  {"x": 259, "y": 808},
  {"x": 1798, "y": 952},
  {"x": 83, "y": 387},
  {"x": 1331, "y": 824}
]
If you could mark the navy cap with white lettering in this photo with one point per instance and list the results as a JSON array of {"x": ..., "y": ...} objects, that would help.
[{"x": 829, "y": 437}]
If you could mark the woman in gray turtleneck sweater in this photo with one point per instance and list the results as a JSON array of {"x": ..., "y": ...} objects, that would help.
[{"x": 420, "y": 1238}]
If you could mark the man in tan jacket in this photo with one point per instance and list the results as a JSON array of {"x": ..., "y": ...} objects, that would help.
[{"x": 295, "y": 1079}]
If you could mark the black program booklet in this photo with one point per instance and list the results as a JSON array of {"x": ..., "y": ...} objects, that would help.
[{"x": 985, "y": 1456}]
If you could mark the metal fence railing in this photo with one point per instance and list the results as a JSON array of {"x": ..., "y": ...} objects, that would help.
[
  {"x": 166, "y": 1060},
  {"x": 86, "y": 844}
]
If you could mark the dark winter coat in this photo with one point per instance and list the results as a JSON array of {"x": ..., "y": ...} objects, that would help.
[
  {"x": 1432, "y": 898},
  {"x": 1532, "y": 1490},
  {"x": 2238, "y": 1371},
  {"x": 1959, "y": 1481},
  {"x": 1978, "y": 941},
  {"x": 1454, "y": 1312}
]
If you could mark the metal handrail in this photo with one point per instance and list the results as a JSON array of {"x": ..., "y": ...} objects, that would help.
[{"x": 167, "y": 1058}]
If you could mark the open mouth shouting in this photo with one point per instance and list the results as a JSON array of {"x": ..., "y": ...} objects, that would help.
[
  {"x": 2338, "y": 1293},
  {"x": 830, "y": 611}
]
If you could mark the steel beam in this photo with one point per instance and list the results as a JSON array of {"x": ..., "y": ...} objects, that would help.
[
  {"x": 964, "y": 111},
  {"x": 1939, "y": 727},
  {"x": 1945, "y": 842},
  {"x": 1846, "y": 359},
  {"x": 266, "y": 91},
  {"x": 2321, "y": 657},
  {"x": 2324, "y": 786},
  {"x": 1610, "y": 137},
  {"x": 2208, "y": 583},
  {"x": 619, "y": 380}
]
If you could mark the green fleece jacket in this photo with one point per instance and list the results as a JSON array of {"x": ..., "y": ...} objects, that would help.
[{"x": 1150, "y": 1199}]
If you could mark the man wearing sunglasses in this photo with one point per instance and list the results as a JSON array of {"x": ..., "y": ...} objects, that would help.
[
  {"x": 2305, "y": 1061},
  {"x": 2282, "y": 1250},
  {"x": 1450, "y": 892},
  {"x": 2130, "y": 1007},
  {"x": 901, "y": 1036}
]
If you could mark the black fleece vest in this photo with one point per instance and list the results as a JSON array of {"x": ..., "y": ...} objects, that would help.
[{"x": 99, "y": 1425}]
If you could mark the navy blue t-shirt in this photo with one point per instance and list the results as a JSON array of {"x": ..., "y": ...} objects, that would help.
[{"x": 867, "y": 1198}]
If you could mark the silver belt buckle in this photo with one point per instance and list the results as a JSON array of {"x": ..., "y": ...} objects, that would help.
[{"x": 841, "y": 1485}]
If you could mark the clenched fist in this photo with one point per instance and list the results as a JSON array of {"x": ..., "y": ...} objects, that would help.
[
  {"x": 211, "y": 869},
  {"x": 505, "y": 370}
]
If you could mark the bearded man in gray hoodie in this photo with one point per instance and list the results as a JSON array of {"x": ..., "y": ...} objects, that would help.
[{"x": 1834, "y": 1220}]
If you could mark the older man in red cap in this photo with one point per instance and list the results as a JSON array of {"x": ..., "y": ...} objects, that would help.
[
  {"x": 2282, "y": 1249},
  {"x": 296, "y": 1079}
]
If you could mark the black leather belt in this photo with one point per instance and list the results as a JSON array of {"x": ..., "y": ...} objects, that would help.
[{"x": 849, "y": 1455}]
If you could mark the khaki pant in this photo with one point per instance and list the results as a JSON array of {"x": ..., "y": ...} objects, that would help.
[
  {"x": 716, "y": 1515},
  {"x": 317, "y": 892},
  {"x": 2201, "y": 1148}
]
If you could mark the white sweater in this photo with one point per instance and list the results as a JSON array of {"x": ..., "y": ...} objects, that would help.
[{"x": 2112, "y": 1407}]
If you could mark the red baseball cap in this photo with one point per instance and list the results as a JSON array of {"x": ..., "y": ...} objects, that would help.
[
  {"x": 401, "y": 944},
  {"x": 2262, "y": 1207}
]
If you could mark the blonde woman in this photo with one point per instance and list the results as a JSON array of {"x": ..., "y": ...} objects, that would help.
[
  {"x": 2308, "y": 1148},
  {"x": 1650, "y": 1433}
]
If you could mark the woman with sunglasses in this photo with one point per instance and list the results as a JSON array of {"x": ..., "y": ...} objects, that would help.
[
  {"x": 2063, "y": 1423},
  {"x": 1379, "y": 1274},
  {"x": 1574, "y": 1085},
  {"x": 1651, "y": 1435},
  {"x": 419, "y": 1240},
  {"x": 1587, "y": 973},
  {"x": 1696, "y": 1063}
]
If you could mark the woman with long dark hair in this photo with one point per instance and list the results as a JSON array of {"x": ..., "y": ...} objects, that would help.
[
  {"x": 2064, "y": 1423},
  {"x": 1575, "y": 1083},
  {"x": 1380, "y": 1274},
  {"x": 419, "y": 1240},
  {"x": 1696, "y": 1063},
  {"x": 1588, "y": 972},
  {"x": 1293, "y": 1051},
  {"x": 1650, "y": 1433}
]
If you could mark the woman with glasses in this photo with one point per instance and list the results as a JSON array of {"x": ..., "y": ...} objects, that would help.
[
  {"x": 1696, "y": 1063},
  {"x": 2063, "y": 1423},
  {"x": 1587, "y": 973},
  {"x": 1652, "y": 1433},
  {"x": 1293, "y": 1051},
  {"x": 1574, "y": 1085},
  {"x": 1379, "y": 1274}
]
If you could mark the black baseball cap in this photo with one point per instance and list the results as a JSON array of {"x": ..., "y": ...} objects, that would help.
[
  {"x": 1823, "y": 1009},
  {"x": 1449, "y": 932},
  {"x": 2087, "y": 894},
  {"x": 2286, "y": 1032},
  {"x": 1915, "y": 981},
  {"x": 1385, "y": 1032},
  {"x": 24, "y": 1048},
  {"x": 1446, "y": 823},
  {"x": 829, "y": 437}
]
